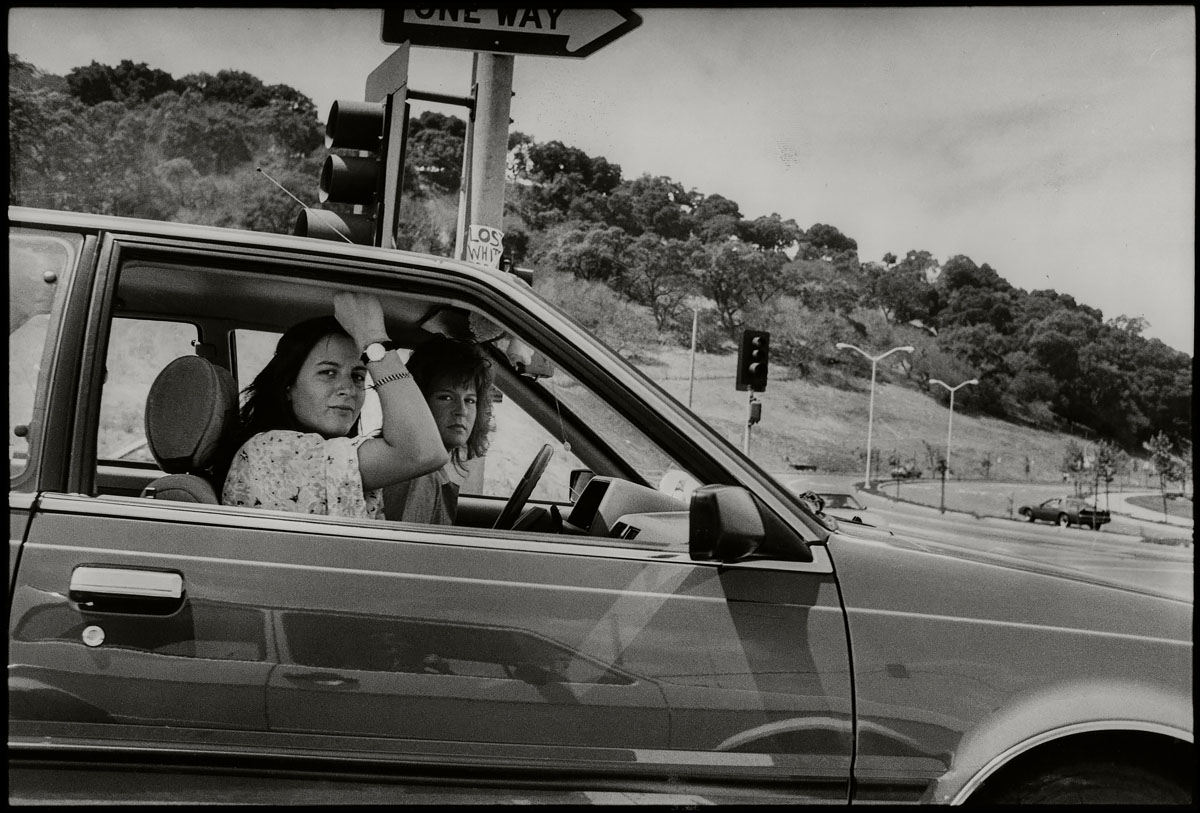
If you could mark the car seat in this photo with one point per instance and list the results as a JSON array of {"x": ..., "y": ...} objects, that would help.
[{"x": 191, "y": 405}]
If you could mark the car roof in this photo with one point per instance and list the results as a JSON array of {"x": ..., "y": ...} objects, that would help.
[
  {"x": 242, "y": 298},
  {"x": 19, "y": 215}
]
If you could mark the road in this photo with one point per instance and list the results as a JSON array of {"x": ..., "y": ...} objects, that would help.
[{"x": 1121, "y": 557}]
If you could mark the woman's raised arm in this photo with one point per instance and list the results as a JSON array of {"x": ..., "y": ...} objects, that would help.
[{"x": 410, "y": 444}]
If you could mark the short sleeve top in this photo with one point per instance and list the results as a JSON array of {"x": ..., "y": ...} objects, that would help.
[{"x": 283, "y": 470}]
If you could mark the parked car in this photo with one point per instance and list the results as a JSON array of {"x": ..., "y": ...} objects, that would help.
[
  {"x": 906, "y": 472},
  {"x": 659, "y": 613},
  {"x": 1067, "y": 511}
]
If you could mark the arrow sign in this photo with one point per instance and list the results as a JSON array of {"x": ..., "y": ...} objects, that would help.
[{"x": 573, "y": 32}]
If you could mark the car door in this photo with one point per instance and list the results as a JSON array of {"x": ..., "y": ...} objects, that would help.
[
  {"x": 159, "y": 625},
  {"x": 1048, "y": 510}
]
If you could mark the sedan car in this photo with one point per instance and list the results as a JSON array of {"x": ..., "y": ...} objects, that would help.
[
  {"x": 841, "y": 505},
  {"x": 1067, "y": 511},
  {"x": 625, "y": 604}
]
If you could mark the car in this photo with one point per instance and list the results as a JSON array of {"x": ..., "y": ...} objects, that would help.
[
  {"x": 841, "y": 505},
  {"x": 646, "y": 610},
  {"x": 906, "y": 472},
  {"x": 1067, "y": 511}
]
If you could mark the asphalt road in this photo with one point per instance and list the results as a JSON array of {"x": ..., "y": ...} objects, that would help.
[{"x": 1110, "y": 554}]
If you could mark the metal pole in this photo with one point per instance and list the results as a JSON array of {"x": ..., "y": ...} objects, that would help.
[
  {"x": 746, "y": 437},
  {"x": 464, "y": 189},
  {"x": 490, "y": 146},
  {"x": 692, "y": 368},
  {"x": 870, "y": 421},
  {"x": 949, "y": 429}
]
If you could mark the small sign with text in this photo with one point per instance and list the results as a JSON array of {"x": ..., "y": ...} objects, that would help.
[{"x": 485, "y": 245}]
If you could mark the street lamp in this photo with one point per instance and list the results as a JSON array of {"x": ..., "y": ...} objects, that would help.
[
  {"x": 949, "y": 428},
  {"x": 695, "y": 304},
  {"x": 871, "y": 414}
]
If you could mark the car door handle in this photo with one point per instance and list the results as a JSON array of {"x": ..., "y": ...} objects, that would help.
[
  {"x": 328, "y": 680},
  {"x": 119, "y": 581},
  {"x": 104, "y": 589}
]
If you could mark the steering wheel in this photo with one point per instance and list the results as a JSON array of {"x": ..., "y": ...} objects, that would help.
[{"x": 512, "y": 509}]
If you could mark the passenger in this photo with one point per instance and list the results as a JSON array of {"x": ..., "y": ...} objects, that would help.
[
  {"x": 456, "y": 379},
  {"x": 299, "y": 447}
]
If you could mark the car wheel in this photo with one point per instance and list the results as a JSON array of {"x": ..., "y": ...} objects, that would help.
[
  {"x": 1064, "y": 521},
  {"x": 1027, "y": 514},
  {"x": 1093, "y": 783}
]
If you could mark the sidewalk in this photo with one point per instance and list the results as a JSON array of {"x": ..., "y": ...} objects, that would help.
[{"x": 1119, "y": 504}]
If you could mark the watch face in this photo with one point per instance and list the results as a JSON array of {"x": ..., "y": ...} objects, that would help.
[{"x": 375, "y": 351}]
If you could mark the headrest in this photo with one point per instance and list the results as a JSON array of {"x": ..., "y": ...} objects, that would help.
[{"x": 191, "y": 405}]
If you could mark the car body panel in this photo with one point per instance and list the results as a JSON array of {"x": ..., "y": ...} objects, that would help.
[
  {"x": 619, "y": 652},
  {"x": 954, "y": 670}
]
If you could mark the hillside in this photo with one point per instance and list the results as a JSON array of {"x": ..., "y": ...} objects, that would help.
[
  {"x": 626, "y": 256},
  {"x": 826, "y": 427}
]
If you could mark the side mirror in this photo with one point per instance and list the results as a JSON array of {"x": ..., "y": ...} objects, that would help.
[{"x": 724, "y": 524}]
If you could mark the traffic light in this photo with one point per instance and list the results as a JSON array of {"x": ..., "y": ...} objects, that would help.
[
  {"x": 752, "y": 360},
  {"x": 356, "y": 179}
]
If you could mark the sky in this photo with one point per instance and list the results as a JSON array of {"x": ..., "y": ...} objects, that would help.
[{"x": 1055, "y": 144}]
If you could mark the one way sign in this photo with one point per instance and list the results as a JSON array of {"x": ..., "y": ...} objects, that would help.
[{"x": 573, "y": 32}]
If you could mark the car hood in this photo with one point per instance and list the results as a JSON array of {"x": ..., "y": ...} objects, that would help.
[
  {"x": 914, "y": 542},
  {"x": 908, "y": 574}
]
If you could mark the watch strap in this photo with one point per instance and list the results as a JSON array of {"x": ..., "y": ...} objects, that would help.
[{"x": 386, "y": 345}]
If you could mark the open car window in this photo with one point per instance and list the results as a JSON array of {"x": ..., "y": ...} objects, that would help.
[{"x": 548, "y": 394}]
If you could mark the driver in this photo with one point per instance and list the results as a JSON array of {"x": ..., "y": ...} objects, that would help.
[{"x": 456, "y": 379}]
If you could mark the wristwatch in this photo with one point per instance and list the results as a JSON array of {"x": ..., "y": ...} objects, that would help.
[{"x": 375, "y": 351}]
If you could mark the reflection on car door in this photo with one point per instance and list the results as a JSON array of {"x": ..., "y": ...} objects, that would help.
[
  {"x": 444, "y": 642},
  {"x": 455, "y": 638}
]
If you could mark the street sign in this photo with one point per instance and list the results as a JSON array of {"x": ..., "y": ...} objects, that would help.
[
  {"x": 571, "y": 32},
  {"x": 389, "y": 76}
]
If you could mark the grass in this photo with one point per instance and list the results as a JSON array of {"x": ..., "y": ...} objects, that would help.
[{"x": 826, "y": 427}]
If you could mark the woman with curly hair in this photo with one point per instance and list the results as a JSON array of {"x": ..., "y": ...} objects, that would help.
[{"x": 456, "y": 379}]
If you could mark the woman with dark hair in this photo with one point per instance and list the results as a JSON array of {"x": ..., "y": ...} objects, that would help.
[
  {"x": 456, "y": 379},
  {"x": 300, "y": 449}
]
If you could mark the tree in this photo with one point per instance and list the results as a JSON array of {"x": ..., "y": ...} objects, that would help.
[
  {"x": 1163, "y": 461},
  {"x": 646, "y": 204},
  {"x": 722, "y": 272},
  {"x": 657, "y": 274},
  {"x": 716, "y": 217},
  {"x": 1073, "y": 462},
  {"x": 770, "y": 233},
  {"x": 904, "y": 292},
  {"x": 823, "y": 240},
  {"x": 589, "y": 252},
  {"x": 1105, "y": 466}
]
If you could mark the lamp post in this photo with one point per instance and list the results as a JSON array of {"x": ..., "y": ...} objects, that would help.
[
  {"x": 692, "y": 366},
  {"x": 871, "y": 414},
  {"x": 950, "y": 428}
]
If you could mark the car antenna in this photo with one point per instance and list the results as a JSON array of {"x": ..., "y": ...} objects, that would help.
[{"x": 293, "y": 197}]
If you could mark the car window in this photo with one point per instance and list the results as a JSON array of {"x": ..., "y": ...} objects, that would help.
[
  {"x": 253, "y": 349},
  {"x": 39, "y": 265},
  {"x": 514, "y": 442},
  {"x": 138, "y": 350},
  {"x": 240, "y": 313}
]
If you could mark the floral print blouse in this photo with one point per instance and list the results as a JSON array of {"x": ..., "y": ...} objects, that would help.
[{"x": 302, "y": 472}]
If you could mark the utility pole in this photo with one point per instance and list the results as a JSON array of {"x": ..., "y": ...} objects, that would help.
[{"x": 489, "y": 148}]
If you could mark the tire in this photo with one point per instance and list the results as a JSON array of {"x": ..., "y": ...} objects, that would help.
[
  {"x": 1064, "y": 521},
  {"x": 1093, "y": 783},
  {"x": 1027, "y": 514}
]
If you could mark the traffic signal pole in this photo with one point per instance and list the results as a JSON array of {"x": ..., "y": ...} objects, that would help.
[
  {"x": 489, "y": 144},
  {"x": 749, "y": 423}
]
